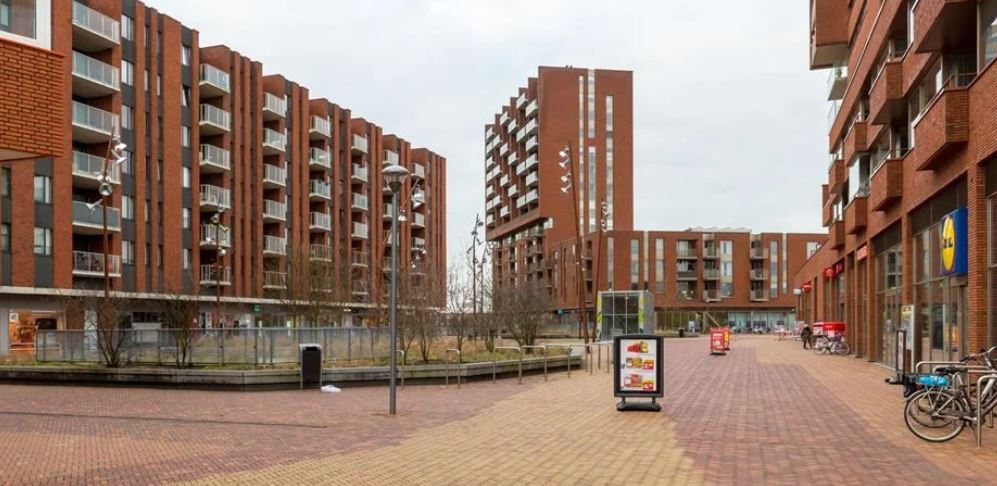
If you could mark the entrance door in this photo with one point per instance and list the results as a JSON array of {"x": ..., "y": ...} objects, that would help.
[
  {"x": 890, "y": 323},
  {"x": 955, "y": 321}
]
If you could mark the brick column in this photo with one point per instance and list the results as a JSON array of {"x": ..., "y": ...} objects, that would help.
[
  {"x": 976, "y": 203},
  {"x": 872, "y": 316}
]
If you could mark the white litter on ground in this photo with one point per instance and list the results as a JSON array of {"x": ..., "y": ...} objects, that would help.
[{"x": 330, "y": 389}]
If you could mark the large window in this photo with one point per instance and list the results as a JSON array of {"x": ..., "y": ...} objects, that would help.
[
  {"x": 127, "y": 207},
  {"x": 4, "y": 181},
  {"x": 988, "y": 32},
  {"x": 773, "y": 269},
  {"x": 5, "y": 237},
  {"x": 634, "y": 264},
  {"x": 185, "y": 56},
  {"x": 27, "y": 21},
  {"x": 726, "y": 268},
  {"x": 128, "y": 252},
  {"x": 127, "y": 28},
  {"x": 127, "y": 73},
  {"x": 609, "y": 262},
  {"x": 43, "y": 241},
  {"x": 659, "y": 265},
  {"x": 43, "y": 189}
]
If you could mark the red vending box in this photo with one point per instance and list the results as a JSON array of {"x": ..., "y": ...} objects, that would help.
[{"x": 717, "y": 341}]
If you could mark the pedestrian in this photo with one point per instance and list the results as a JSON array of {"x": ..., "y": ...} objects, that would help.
[{"x": 806, "y": 335}]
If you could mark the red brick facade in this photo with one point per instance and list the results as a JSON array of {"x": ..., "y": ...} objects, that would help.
[{"x": 32, "y": 106}]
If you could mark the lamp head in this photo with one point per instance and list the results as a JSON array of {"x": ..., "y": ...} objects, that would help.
[
  {"x": 222, "y": 252},
  {"x": 402, "y": 218},
  {"x": 120, "y": 146},
  {"x": 565, "y": 153},
  {"x": 105, "y": 189},
  {"x": 394, "y": 176}
]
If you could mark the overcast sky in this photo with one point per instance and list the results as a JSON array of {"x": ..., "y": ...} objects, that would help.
[{"x": 729, "y": 124}]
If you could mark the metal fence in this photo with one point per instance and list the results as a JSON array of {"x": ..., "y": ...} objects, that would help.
[{"x": 255, "y": 346}]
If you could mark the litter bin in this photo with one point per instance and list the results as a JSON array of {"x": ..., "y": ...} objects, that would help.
[
  {"x": 681, "y": 333},
  {"x": 310, "y": 358}
]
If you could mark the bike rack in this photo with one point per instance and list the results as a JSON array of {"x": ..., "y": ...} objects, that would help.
[
  {"x": 495, "y": 360},
  {"x": 401, "y": 367},
  {"x": 599, "y": 345},
  {"x": 978, "y": 426},
  {"x": 568, "y": 347},
  {"x": 544, "y": 348},
  {"x": 451, "y": 352}
]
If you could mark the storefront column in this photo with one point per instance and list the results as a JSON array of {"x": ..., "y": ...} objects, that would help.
[
  {"x": 977, "y": 264},
  {"x": 872, "y": 314}
]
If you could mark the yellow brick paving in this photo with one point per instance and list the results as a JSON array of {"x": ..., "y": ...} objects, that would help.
[{"x": 566, "y": 431}]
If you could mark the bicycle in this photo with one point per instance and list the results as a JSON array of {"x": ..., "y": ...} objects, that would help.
[
  {"x": 830, "y": 345},
  {"x": 942, "y": 409}
]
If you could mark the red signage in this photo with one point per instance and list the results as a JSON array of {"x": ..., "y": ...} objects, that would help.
[
  {"x": 839, "y": 268},
  {"x": 829, "y": 272},
  {"x": 807, "y": 287},
  {"x": 717, "y": 341}
]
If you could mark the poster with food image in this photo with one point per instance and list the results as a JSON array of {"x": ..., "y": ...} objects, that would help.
[{"x": 638, "y": 365}]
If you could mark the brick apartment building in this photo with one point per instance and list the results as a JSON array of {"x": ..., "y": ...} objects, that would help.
[
  {"x": 293, "y": 181},
  {"x": 909, "y": 200},
  {"x": 733, "y": 275}
]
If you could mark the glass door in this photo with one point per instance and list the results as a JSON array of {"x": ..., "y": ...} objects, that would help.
[
  {"x": 890, "y": 325},
  {"x": 955, "y": 320}
]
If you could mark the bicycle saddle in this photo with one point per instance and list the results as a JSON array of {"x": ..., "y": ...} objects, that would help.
[{"x": 950, "y": 369}]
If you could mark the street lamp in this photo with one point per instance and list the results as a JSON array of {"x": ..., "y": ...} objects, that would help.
[
  {"x": 116, "y": 149},
  {"x": 220, "y": 252},
  {"x": 602, "y": 226},
  {"x": 394, "y": 176},
  {"x": 474, "y": 263},
  {"x": 569, "y": 187}
]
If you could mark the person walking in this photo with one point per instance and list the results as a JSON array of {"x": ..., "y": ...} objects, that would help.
[{"x": 806, "y": 335}]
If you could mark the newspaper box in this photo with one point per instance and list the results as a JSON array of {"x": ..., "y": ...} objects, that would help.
[
  {"x": 834, "y": 329},
  {"x": 717, "y": 341}
]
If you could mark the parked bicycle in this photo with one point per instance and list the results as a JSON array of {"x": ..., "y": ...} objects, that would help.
[
  {"x": 830, "y": 345},
  {"x": 946, "y": 404}
]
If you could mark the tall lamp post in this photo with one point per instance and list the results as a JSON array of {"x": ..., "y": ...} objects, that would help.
[
  {"x": 394, "y": 176},
  {"x": 218, "y": 227},
  {"x": 475, "y": 241},
  {"x": 569, "y": 186},
  {"x": 603, "y": 218},
  {"x": 116, "y": 149}
]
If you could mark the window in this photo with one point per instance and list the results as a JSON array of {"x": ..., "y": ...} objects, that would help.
[
  {"x": 634, "y": 264},
  {"x": 812, "y": 247},
  {"x": 5, "y": 182},
  {"x": 185, "y": 136},
  {"x": 128, "y": 166},
  {"x": 184, "y": 55},
  {"x": 146, "y": 207},
  {"x": 5, "y": 238},
  {"x": 726, "y": 268},
  {"x": 184, "y": 96},
  {"x": 186, "y": 259},
  {"x": 127, "y": 28},
  {"x": 185, "y": 177},
  {"x": 159, "y": 85},
  {"x": 128, "y": 252},
  {"x": 127, "y": 207},
  {"x": 43, "y": 241},
  {"x": 186, "y": 218},
  {"x": 27, "y": 21},
  {"x": 127, "y": 117},
  {"x": 773, "y": 268},
  {"x": 609, "y": 162},
  {"x": 43, "y": 189},
  {"x": 145, "y": 81},
  {"x": 659, "y": 265},
  {"x": 127, "y": 73},
  {"x": 609, "y": 262},
  {"x": 988, "y": 32}
]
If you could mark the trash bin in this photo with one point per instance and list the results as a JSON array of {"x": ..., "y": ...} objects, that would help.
[
  {"x": 310, "y": 358},
  {"x": 681, "y": 333}
]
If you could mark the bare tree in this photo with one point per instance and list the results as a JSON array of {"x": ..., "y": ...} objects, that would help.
[
  {"x": 521, "y": 308},
  {"x": 180, "y": 308},
  {"x": 459, "y": 304},
  {"x": 104, "y": 316}
]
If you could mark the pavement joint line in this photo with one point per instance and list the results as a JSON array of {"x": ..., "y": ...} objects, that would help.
[{"x": 164, "y": 419}]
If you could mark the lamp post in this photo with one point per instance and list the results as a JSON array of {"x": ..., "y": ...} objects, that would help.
[
  {"x": 116, "y": 149},
  {"x": 569, "y": 185},
  {"x": 220, "y": 253},
  {"x": 394, "y": 176},
  {"x": 603, "y": 217},
  {"x": 474, "y": 263}
]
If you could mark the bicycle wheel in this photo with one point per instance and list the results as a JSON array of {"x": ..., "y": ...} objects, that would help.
[
  {"x": 935, "y": 415},
  {"x": 842, "y": 348}
]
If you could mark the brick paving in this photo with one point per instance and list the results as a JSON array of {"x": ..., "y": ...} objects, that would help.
[{"x": 767, "y": 413}]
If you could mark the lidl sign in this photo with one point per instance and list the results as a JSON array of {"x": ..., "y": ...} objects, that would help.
[{"x": 953, "y": 243}]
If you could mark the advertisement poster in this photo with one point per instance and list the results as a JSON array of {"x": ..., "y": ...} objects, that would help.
[
  {"x": 907, "y": 324},
  {"x": 638, "y": 365}
]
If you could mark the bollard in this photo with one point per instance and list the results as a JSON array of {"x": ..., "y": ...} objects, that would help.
[{"x": 450, "y": 352}]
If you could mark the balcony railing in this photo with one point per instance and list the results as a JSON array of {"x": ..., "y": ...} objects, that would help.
[
  {"x": 390, "y": 157},
  {"x": 91, "y": 264},
  {"x": 321, "y": 126},
  {"x": 419, "y": 219},
  {"x": 214, "y": 81},
  {"x": 837, "y": 80},
  {"x": 274, "y": 175},
  {"x": 532, "y": 144},
  {"x": 94, "y": 120},
  {"x": 359, "y": 143},
  {"x": 215, "y": 196},
  {"x": 759, "y": 253},
  {"x": 521, "y": 100},
  {"x": 360, "y": 201},
  {"x": 360, "y": 173},
  {"x": 92, "y": 167},
  {"x": 530, "y": 128},
  {"x": 215, "y": 157},
  {"x": 759, "y": 274},
  {"x": 319, "y": 189},
  {"x": 359, "y": 258},
  {"x": 93, "y": 219},
  {"x": 320, "y": 252},
  {"x": 216, "y": 275},
  {"x": 711, "y": 295},
  {"x": 274, "y": 210},
  {"x": 419, "y": 170},
  {"x": 274, "y": 140},
  {"x": 504, "y": 118},
  {"x": 274, "y": 280},
  {"x": 274, "y": 245},
  {"x": 319, "y": 157},
  {"x": 320, "y": 221},
  {"x": 103, "y": 77},
  {"x": 212, "y": 116},
  {"x": 213, "y": 235},
  {"x": 710, "y": 252},
  {"x": 103, "y": 27},
  {"x": 759, "y": 295},
  {"x": 711, "y": 273},
  {"x": 686, "y": 252},
  {"x": 358, "y": 288},
  {"x": 360, "y": 231},
  {"x": 276, "y": 105},
  {"x": 531, "y": 162},
  {"x": 531, "y": 109}
]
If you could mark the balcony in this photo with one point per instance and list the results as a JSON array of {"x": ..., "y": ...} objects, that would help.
[
  {"x": 503, "y": 118},
  {"x": 941, "y": 24},
  {"x": 359, "y": 259},
  {"x": 828, "y": 32},
  {"x": 319, "y": 190},
  {"x": 214, "y": 82},
  {"x": 489, "y": 133},
  {"x": 418, "y": 220},
  {"x": 92, "y": 125},
  {"x": 215, "y": 236},
  {"x": 359, "y": 202},
  {"x": 531, "y": 127},
  {"x": 759, "y": 274},
  {"x": 686, "y": 253},
  {"x": 390, "y": 157},
  {"x": 320, "y": 128},
  {"x": 521, "y": 101},
  {"x": 886, "y": 96},
  {"x": 504, "y": 180},
  {"x": 532, "y": 145},
  {"x": 358, "y": 144},
  {"x": 504, "y": 212},
  {"x": 759, "y": 295},
  {"x": 214, "y": 120},
  {"x": 513, "y": 126},
  {"x": 274, "y": 245},
  {"x": 274, "y": 177},
  {"x": 274, "y": 280},
  {"x": 322, "y": 253},
  {"x": 418, "y": 171},
  {"x": 214, "y": 198},
  {"x": 837, "y": 81},
  {"x": 418, "y": 242},
  {"x": 887, "y": 182},
  {"x": 91, "y": 264},
  {"x": 216, "y": 275},
  {"x": 711, "y": 274},
  {"x": 828, "y": 213},
  {"x": 274, "y": 107},
  {"x": 215, "y": 159},
  {"x": 360, "y": 231},
  {"x": 710, "y": 252},
  {"x": 92, "y": 30},
  {"x": 92, "y": 78},
  {"x": 490, "y": 220},
  {"x": 506, "y": 150},
  {"x": 856, "y": 141},
  {"x": 274, "y": 142},
  {"x": 274, "y": 212},
  {"x": 88, "y": 170},
  {"x": 687, "y": 275},
  {"x": 758, "y": 253},
  {"x": 857, "y": 214},
  {"x": 532, "y": 180},
  {"x": 944, "y": 125},
  {"x": 836, "y": 235},
  {"x": 87, "y": 221},
  {"x": 360, "y": 174},
  {"x": 319, "y": 158},
  {"x": 530, "y": 163},
  {"x": 358, "y": 288},
  {"x": 531, "y": 109},
  {"x": 711, "y": 295},
  {"x": 319, "y": 222}
]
